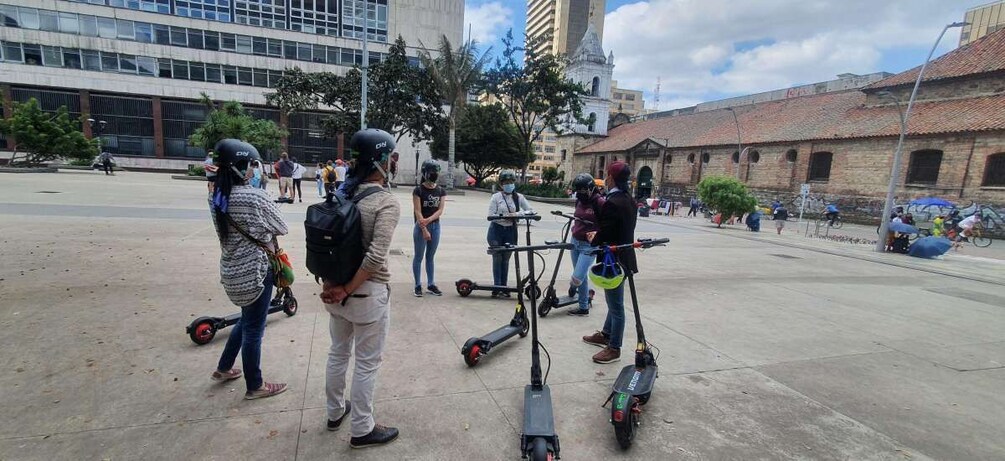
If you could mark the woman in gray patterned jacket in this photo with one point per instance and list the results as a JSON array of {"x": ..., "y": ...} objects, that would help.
[{"x": 240, "y": 209}]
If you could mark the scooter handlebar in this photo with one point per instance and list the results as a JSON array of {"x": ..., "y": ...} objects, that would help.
[
  {"x": 532, "y": 217},
  {"x": 508, "y": 248},
  {"x": 571, "y": 217},
  {"x": 640, "y": 243}
]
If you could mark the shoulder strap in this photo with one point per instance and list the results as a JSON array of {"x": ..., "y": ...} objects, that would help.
[
  {"x": 362, "y": 195},
  {"x": 248, "y": 236}
]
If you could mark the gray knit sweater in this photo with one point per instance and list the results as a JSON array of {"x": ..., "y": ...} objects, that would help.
[
  {"x": 243, "y": 264},
  {"x": 379, "y": 214}
]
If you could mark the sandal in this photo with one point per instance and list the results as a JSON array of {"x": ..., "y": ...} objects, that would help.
[
  {"x": 267, "y": 390},
  {"x": 228, "y": 375}
]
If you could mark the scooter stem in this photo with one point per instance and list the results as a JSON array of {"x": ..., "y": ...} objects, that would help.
[{"x": 640, "y": 333}]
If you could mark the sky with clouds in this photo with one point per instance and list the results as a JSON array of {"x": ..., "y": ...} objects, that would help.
[{"x": 704, "y": 50}]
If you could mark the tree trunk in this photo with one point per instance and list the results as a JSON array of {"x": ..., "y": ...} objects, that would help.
[{"x": 451, "y": 148}]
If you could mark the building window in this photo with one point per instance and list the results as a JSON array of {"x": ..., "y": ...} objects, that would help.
[
  {"x": 924, "y": 166},
  {"x": 690, "y": 159},
  {"x": 357, "y": 14},
  {"x": 181, "y": 119},
  {"x": 791, "y": 155},
  {"x": 629, "y": 97},
  {"x": 994, "y": 171},
  {"x": 754, "y": 156},
  {"x": 820, "y": 166},
  {"x": 706, "y": 157},
  {"x": 592, "y": 122},
  {"x": 736, "y": 157},
  {"x": 130, "y": 129},
  {"x": 595, "y": 88},
  {"x": 618, "y": 95}
]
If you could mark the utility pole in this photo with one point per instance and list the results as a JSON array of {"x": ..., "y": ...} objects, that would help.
[{"x": 366, "y": 65}]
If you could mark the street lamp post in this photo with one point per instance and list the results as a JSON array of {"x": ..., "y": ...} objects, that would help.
[
  {"x": 739, "y": 145},
  {"x": 97, "y": 128},
  {"x": 884, "y": 220}
]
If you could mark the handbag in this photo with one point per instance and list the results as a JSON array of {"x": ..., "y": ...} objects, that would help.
[{"x": 279, "y": 260}]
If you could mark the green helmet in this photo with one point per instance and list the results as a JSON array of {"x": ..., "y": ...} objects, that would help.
[
  {"x": 607, "y": 276},
  {"x": 507, "y": 175}
]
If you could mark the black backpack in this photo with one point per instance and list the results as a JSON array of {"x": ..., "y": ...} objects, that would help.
[
  {"x": 335, "y": 237},
  {"x": 332, "y": 176}
]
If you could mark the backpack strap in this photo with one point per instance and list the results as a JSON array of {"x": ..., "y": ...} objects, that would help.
[{"x": 362, "y": 195}]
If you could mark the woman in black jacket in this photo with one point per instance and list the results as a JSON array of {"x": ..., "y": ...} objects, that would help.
[{"x": 617, "y": 227}]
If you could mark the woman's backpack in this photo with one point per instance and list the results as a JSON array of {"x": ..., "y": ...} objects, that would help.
[{"x": 334, "y": 231}]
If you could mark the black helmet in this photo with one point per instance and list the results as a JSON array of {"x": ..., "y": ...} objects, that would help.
[
  {"x": 372, "y": 146},
  {"x": 430, "y": 166},
  {"x": 507, "y": 175},
  {"x": 583, "y": 181},
  {"x": 235, "y": 155}
]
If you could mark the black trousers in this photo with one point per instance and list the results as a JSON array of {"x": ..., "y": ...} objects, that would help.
[{"x": 108, "y": 166}]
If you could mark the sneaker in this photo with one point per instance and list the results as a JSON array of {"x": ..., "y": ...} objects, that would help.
[
  {"x": 504, "y": 294},
  {"x": 221, "y": 376},
  {"x": 598, "y": 339},
  {"x": 434, "y": 291},
  {"x": 334, "y": 425},
  {"x": 607, "y": 355},
  {"x": 267, "y": 390},
  {"x": 573, "y": 290},
  {"x": 580, "y": 312},
  {"x": 418, "y": 291},
  {"x": 380, "y": 435}
]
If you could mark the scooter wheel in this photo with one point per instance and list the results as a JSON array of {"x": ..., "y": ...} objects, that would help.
[
  {"x": 464, "y": 287},
  {"x": 539, "y": 450},
  {"x": 525, "y": 329},
  {"x": 290, "y": 306},
  {"x": 532, "y": 292},
  {"x": 544, "y": 309},
  {"x": 624, "y": 430},
  {"x": 203, "y": 332},
  {"x": 473, "y": 356}
]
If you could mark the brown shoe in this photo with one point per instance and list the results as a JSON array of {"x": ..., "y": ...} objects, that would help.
[
  {"x": 607, "y": 355},
  {"x": 597, "y": 339}
]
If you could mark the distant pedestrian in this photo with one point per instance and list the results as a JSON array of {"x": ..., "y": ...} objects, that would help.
[
  {"x": 775, "y": 205},
  {"x": 693, "y": 210},
  {"x": 298, "y": 177},
  {"x": 754, "y": 220},
  {"x": 340, "y": 173},
  {"x": 284, "y": 169},
  {"x": 210, "y": 169},
  {"x": 254, "y": 175},
  {"x": 329, "y": 177},
  {"x": 318, "y": 172},
  {"x": 780, "y": 215},
  {"x": 108, "y": 162}
]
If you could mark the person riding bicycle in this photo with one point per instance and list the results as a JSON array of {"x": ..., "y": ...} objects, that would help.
[
  {"x": 966, "y": 226},
  {"x": 832, "y": 213}
]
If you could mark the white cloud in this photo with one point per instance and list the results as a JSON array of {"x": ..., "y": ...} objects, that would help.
[
  {"x": 487, "y": 20},
  {"x": 703, "y": 49}
]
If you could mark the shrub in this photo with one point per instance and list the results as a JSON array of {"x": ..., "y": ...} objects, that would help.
[{"x": 726, "y": 195}]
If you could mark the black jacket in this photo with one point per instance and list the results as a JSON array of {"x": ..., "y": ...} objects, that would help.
[{"x": 617, "y": 227}]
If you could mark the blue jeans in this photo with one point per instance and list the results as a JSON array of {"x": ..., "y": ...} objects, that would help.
[
  {"x": 421, "y": 247},
  {"x": 581, "y": 262},
  {"x": 500, "y": 235},
  {"x": 614, "y": 326},
  {"x": 321, "y": 188},
  {"x": 246, "y": 338}
]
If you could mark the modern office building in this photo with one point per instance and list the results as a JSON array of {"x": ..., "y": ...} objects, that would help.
[
  {"x": 563, "y": 22},
  {"x": 982, "y": 20},
  {"x": 142, "y": 65},
  {"x": 625, "y": 101}
]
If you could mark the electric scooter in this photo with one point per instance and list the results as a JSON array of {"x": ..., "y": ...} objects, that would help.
[
  {"x": 477, "y": 347},
  {"x": 203, "y": 329},
  {"x": 634, "y": 385},
  {"x": 551, "y": 299},
  {"x": 466, "y": 286},
  {"x": 538, "y": 440}
]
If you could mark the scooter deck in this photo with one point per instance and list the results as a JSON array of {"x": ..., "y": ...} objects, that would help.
[
  {"x": 636, "y": 381},
  {"x": 538, "y": 420},
  {"x": 501, "y": 334}
]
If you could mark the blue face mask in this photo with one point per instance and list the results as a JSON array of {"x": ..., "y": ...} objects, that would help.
[{"x": 509, "y": 188}]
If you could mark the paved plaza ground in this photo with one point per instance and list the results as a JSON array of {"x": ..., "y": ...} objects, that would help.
[{"x": 773, "y": 347}]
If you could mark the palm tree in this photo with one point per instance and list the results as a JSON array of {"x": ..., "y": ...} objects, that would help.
[{"x": 455, "y": 73}]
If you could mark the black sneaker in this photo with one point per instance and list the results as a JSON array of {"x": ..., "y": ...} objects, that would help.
[
  {"x": 418, "y": 291},
  {"x": 380, "y": 435},
  {"x": 504, "y": 294},
  {"x": 434, "y": 291},
  {"x": 579, "y": 312},
  {"x": 496, "y": 294},
  {"x": 334, "y": 425}
]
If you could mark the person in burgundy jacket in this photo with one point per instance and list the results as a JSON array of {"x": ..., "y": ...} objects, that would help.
[{"x": 589, "y": 201}]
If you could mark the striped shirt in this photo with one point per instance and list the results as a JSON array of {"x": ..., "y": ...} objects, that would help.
[{"x": 243, "y": 264}]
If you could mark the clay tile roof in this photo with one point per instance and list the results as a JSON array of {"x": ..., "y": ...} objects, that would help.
[
  {"x": 987, "y": 54},
  {"x": 839, "y": 115}
]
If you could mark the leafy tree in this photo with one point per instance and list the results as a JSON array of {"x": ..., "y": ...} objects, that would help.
[
  {"x": 486, "y": 141},
  {"x": 726, "y": 195},
  {"x": 455, "y": 73},
  {"x": 232, "y": 121},
  {"x": 551, "y": 174},
  {"x": 534, "y": 92},
  {"x": 401, "y": 98},
  {"x": 45, "y": 137}
]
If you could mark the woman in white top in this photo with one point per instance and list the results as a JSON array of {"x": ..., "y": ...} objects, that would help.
[
  {"x": 298, "y": 176},
  {"x": 507, "y": 202}
]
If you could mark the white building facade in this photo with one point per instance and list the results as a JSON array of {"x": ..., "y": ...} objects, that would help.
[
  {"x": 592, "y": 69},
  {"x": 142, "y": 65}
]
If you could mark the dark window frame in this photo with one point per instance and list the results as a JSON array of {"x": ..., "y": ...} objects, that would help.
[
  {"x": 994, "y": 170},
  {"x": 821, "y": 164},
  {"x": 923, "y": 167}
]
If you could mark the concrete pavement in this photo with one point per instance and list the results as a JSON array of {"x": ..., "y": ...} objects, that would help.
[{"x": 771, "y": 348}]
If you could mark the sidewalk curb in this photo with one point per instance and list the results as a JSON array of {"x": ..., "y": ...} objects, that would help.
[{"x": 864, "y": 257}]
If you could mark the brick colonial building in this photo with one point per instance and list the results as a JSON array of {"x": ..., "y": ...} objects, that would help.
[{"x": 841, "y": 143}]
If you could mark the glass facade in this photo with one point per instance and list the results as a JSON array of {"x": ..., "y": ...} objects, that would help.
[
  {"x": 346, "y": 18},
  {"x": 91, "y": 26},
  {"x": 130, "y": 128},
  {"x": 307, "y": 141},
  {"x": 181, "y": 119}
]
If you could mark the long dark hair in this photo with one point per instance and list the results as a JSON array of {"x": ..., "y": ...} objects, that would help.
[
  {"x": 356, "y": 176},
  {"x": 226, "y": 179}
]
